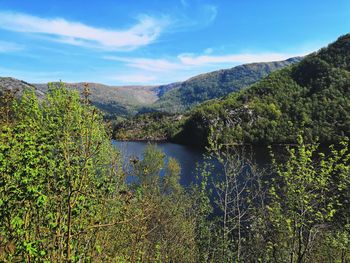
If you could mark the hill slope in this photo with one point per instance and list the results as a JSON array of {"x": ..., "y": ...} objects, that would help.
[
  {"x": 16, "y": 85},
  {"x": 216, "y": 84},
  {"x": 312, "y": 96},
  {"x": 115, "y": 100}
]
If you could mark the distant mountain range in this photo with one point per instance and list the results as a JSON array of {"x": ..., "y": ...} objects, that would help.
[{"x": 174, "y": 98}]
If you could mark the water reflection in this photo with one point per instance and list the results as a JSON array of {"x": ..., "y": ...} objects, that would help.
[{"x": 188, "y": 157}]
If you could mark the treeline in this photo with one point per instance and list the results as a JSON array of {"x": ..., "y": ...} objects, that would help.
[
  {"x": 152, "y": 126},
  {"x": 64, "y": 196}
]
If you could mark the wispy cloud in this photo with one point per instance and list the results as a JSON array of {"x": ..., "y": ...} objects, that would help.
[
  {"x": 193, "y": 17},
  {"x": 211, "y": 12},
  {"x": 185, "y": 62},
  {"x": 134, "y": 78},
  {"x": 158, "y": 65},
  {"x": 193, "y": 60},
  {"x": 145, "y": 31},
  {"x": 10, "y": 47},
  {"x": 183, "y": 66}
]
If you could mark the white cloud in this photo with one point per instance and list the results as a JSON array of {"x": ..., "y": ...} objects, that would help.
[
  {"x": 186, "y": 62},
  {"x": 158, "y": 65},
  {"x": 162, "y": 70},
  {"x": 9, "y": 47},
  {"x": 134, "y": 78},
  {"x": 193, "y": 60},
  {"x": 146, "y": 31}
]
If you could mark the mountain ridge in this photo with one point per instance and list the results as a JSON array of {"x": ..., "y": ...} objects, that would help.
[{"x": 173, "y": 97}]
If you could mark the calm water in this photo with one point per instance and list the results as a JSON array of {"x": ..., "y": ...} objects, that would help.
[{"x": 188, "y": 157}]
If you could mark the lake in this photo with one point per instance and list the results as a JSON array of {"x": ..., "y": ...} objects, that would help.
[{"x": 187, "y": 156}]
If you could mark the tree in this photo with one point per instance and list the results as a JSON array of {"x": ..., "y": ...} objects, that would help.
[
  {"x": 303, "y": 200},
  {"x": 58, "y": 173},
  {"x": 166, "y": 230},
  {"x": 235, "y": 193}
]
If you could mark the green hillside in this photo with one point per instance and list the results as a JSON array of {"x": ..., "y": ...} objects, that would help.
[
  {"x": 178, "y": 97},
  {"x": 312, "y": 96},
  {"x": 216, "y": 84}
]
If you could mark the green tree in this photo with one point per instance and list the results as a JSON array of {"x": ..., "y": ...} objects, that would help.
[
  {"x": 303, "y": 200},
  {"x": 57, "y": 171},
  {"x": 166, "y": 230}
]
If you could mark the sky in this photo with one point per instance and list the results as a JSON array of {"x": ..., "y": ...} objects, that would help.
[{"x": 149, "y": 42}]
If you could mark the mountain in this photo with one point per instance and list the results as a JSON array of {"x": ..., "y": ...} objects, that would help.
[
  {"x": 184, "y": 95},
  {"x": 175, "y": 97},
  {"x": 115, "y": 100},
  {"x": 311, "y": 97}
]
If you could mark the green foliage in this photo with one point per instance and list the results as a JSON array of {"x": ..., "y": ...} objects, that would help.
[
  {"x": 55, "y": 166},
  {"x": 113, "y": 101},
  {"x": 203, "y": 210},
  {"x": 216, "y": 84},
  {"x": 149, "y": 126},
  {"x": 63, "y": 196},
  {"x": 165, "y": 232},
  {"x": 304, "y": 199},
  {"x": 312, "y": 96},
  {"x": 297, "y": 212}
]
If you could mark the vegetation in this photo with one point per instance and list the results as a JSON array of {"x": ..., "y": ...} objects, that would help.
[
  {"x": 65, "y": 198},
  {"x": 216, "y": 84},
  {"x": 312, "y": 96},
  {"x": 149, "y": 127},
  {"x": 114, "y": 101},
  {"x": 292, "y": 213}
]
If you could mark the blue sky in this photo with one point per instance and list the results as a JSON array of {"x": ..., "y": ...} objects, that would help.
[{"x": 148, "y": 42}]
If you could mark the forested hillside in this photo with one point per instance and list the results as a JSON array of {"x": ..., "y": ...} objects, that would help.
[
  {"x": 216, "y": 84},
  {"x": 312, "y": 96}
]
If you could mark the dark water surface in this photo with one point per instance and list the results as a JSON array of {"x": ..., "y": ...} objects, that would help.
[{"x": 187, "y": 156}]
